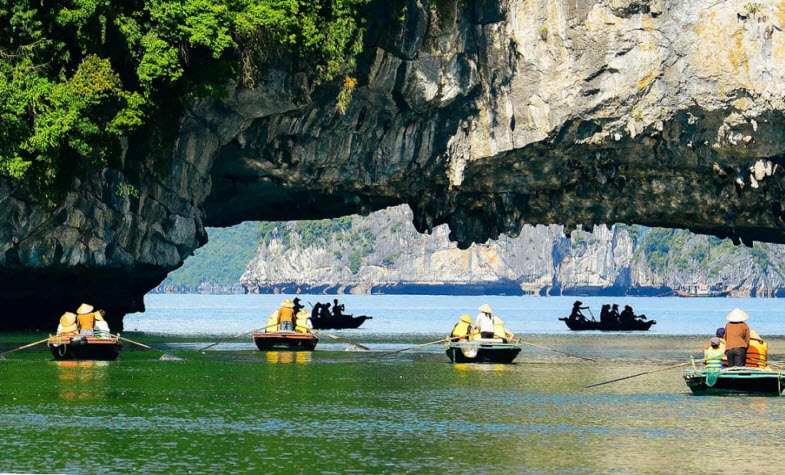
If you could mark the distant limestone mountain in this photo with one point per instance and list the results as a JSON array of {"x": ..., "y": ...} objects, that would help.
[{"x": 383, "y": 253}]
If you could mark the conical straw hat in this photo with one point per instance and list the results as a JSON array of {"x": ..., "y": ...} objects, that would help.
[
  {"x": 287, "y": 304},
  {"x": 485, "y": 308},
  {"x": 84, "y": 308},
  {"x": 737, "y": 315},
  {"x": 67, "y": 318},
  {"x": 99, "y": 316},
  {"x": 754, "y": 336}
]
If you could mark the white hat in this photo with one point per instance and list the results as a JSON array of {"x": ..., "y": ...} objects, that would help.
[
  {"x": 737, "y": 315},
  {"x": 485, "y": 308}
]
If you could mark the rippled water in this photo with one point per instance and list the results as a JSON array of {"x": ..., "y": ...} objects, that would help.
[{"x": 335, "y": 411}]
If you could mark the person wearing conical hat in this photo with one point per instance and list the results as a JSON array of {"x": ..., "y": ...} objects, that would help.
[
  {"x": 484, "y": 321},
  {"x": 737, "y": 337},
  {"x": 462, "y": 329},
  {"x": 101, "y": 327},
  {"x": 86, "y": 319},
  {"x": 286, "y": 316},
  {"x": 757, "y": 351},
  {"x": 67, "y": 325}
]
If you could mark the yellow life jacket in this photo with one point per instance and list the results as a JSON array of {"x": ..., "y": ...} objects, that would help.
[
  {"x": 461, "y": 329},
  {"x": 757, "y": 354},
  {"x": 712, "y": 358},
  {"x": 301, "y": 325},
  {"x": 272, "y": 323},
  {"x": 498, "y": 328},
  {"x": 475, "y": 334},
  {"x": 285, "y": 314},
  {"x": 86, "y": 321}
]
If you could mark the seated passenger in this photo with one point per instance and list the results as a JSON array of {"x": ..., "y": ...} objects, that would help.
[
  {"x": 627, "y": 315},
  {"x": 485, "y": 321},
  {"x": 286, "y": 316},
  {"x": 757, "y": 351},
  {"x": 615, "y": 317},
  {"x": 499, "y": 331},
  {"x": 720, "y": 333},
  {"x": 605, "y": 314},
  {"x": 101, "y": 327},
  {"x": 86, "y": 319},
  {"x": 303, "y": 322},
  {"x": 67, "y": 326},
  {"x": 462, "y": 329},
  {"x": 712, "y": 356}
]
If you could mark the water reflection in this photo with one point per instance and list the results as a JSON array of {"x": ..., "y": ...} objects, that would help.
[
  {"x": 82, "y": 380},
  {"x": 468, "y": 367},
  {"x": 288, "y": 357}
]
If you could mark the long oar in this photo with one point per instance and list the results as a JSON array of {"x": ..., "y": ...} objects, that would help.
[
  {"x": 555, "y": 350},
  {"x": 238, "y": 336},
  {"x": 29, "y": 345},
  {"x": 635, "y": 375},
  {"x": 165, "y": 356},
  {"x": 443, "y": 340},
  {"x": 345, "y": 340}
]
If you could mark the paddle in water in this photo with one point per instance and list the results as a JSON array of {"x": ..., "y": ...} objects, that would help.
[
  {"x": 443, "y": 340},
  {"x": 555, "y": 350},
  {"x": 164, "y": 357},
  {"x": 623, "y": 378},
  {"x": 23, "y": 347},
  {"x": 345, "y": 340}
]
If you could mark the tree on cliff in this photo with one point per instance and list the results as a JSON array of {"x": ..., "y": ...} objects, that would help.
[{"x": 76, "y": 76}]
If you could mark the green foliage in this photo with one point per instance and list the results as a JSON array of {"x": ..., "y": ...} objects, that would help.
[
  {"x": 313, "y": 232},
  {"x": 77, "y": 75},
  {"x": 657, "y": 245},
  {"x": 222, "y": 260}
]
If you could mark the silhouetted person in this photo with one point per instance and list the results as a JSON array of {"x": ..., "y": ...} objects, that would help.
[
  {"x": 325, "y": 313},
  {"x": 615, "y": 317},
  {"x": 337, "y": 309},
  {"x": 576, "y": 314},
  {"x": 316, "y": 312},
  {"x": 297, "y": 305},
  {"x": 627, "y": 316},
  {"x": 605, "y": 314}
]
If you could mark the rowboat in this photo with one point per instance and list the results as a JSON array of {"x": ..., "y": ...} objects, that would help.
[
  {"x": 736, "y": 380},
  {"x": 482, "y": 351},
  {"x": 588, "y": 325},
  {"x": 267, "y": 341},
  {"x": 339, "y": 323},
  {"x": 83, "y": 347}
]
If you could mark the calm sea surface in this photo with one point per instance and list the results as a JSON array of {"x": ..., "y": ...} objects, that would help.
[{"x": 235, "y": 410}]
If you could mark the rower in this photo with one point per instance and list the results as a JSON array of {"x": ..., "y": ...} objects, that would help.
[
  {"x": 462, "y": 329},
  {"x": 576, "y": 314},
  {"x": 737, "y": 337},
  {"x": 67, "y": 326},
  {"x": 283, "y": 317},
  {"x": 86, "y": 319},
  {"x": 484, "y": 321},
  {"x": 297, "y": 305}
]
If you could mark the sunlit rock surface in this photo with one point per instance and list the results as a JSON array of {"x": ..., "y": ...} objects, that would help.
[{"x": 484, "y": 115}]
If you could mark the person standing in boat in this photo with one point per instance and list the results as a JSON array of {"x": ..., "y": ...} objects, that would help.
[
  {"x": 86, "y": 319},
  {"x": 737, "y": 337},
  {"x": 484, "y": 321},
  {"x": 757, "y": 352},
  {"x": 576, "y": 314},
  {"x": 297, "y": 305}
]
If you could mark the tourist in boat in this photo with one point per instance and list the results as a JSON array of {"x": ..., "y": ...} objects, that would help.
[
  {"x": 757, "y": 351},
  {"x": 605, "y": 314},
  {"x": 627, "y": 316},
  {"x": 325, "y": 311},
  {"x": 86, "y": 319},
  {"x": 462, "y": 329},
  {"x": 615, "y": 317},
  {"x": 737, "y": 337},
  {"x": 712, "y": 356},
  {"x": 720, "y": 335},
  {"x": 499, "y": 331},
  {"x": 303, "y": 322},
  {"x": 338, "y": 309},
  {"x": 484, "y": 321},
  {"x": 576, "y": 314},
  {"x": 283, "y": 318},
  {"x": 101, "y": 327},
  {"x": 67, "y": 325},
  {"x": 316, "y": 311}
]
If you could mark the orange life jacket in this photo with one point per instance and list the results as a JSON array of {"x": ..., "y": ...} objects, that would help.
[
  {"x": 285, "y": 314},
  {"x": 757, "y": 354},
  {"x": 86, "y": 321}
]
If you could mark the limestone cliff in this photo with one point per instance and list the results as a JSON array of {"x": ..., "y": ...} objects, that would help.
[
  {"x": 383, "y": 253},
  {"x": 485, "y": 115}
]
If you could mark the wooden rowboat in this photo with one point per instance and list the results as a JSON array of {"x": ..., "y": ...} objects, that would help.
[
  {"x": 82, "y": 347},
  {"x": 588, "y": 325},
  {"x": 267, "y": 341},
  {"x": 340, "y": 323},
  {"x": 482, "y": 351},
  {"x": 736, "y": 380}
]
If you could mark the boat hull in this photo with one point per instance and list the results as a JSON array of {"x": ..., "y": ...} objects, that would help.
[
  {"x": 85, "y": 348},
  {"x": 500, "y": 353},
  {"x": 285, "y": 341},
  {"x": 589, "y": 325},
  {"x": 339, "y": 323},
  {"x": 750, "y": 381}
]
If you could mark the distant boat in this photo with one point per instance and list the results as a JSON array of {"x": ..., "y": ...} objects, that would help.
[
  {"x": 588, "y": 325},
  {"x": 82, "y": 347},
  {"x": 338, "y": 323},
  {"x": 706, "y": 293},
  {"x": 285, "y": 341},
  {"x": 737, "y": 380},
  {"x": 482, "y": 351}
]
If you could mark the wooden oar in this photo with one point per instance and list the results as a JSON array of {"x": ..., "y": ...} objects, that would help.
[
  {"x": 29, "y": 345},
  {"x": 555, "y": 350},
  {"x": 345, "y": 340},
  {"x": 443, "y": 340},
  {"x": 238, "y": 336},
  {"x": 165, "y": 356},
  {"x": 635, "y": 375}
]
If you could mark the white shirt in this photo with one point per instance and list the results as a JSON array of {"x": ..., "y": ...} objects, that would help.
[
  {"x": 101, "y": 327},
  {"x": 484, "y": 322}
]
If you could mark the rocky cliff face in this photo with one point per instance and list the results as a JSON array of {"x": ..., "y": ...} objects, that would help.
[
  {"x": 484, "y": 115},
  {"x": 383, "y": 253}
]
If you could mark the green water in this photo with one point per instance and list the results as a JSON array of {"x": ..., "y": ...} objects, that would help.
[{"x": 352, "y": 412}]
